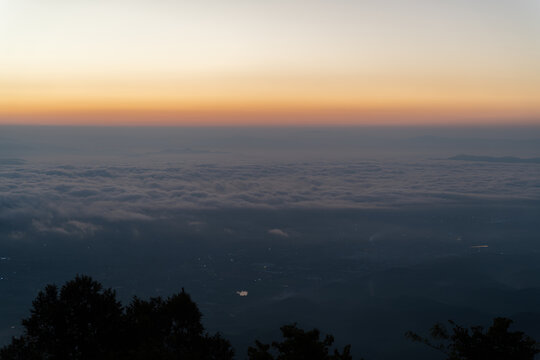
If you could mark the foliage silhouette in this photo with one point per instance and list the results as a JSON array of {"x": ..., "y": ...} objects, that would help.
[
  {"x": 84, "y": 321},
  {"x": 171, "y": 329},
  {"x": 298, "y": 345},
  {"x": 496, "y": 343}
]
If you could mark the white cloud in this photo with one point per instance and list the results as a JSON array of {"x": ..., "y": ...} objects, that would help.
[
  {"x": 71, "y": 228},
  {"x": 278, "y": 232},
  {"x": 83, "y": 227}
]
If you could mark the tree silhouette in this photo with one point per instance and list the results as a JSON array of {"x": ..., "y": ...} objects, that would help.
[
  {"x": 84, "y": 321},
  {"x": 496, "y": 343},
  {"x": 298, "y": 345},
  {"x": 81, "y": 321},
  {"x": 171, "y": 329}
]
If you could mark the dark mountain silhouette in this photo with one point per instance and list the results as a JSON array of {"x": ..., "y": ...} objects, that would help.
[
  {"x": 501, "y": 159},
  {"x": 84, "y": 321}
]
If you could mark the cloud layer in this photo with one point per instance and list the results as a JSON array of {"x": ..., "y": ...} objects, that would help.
[{"x": 116, "y": 192}]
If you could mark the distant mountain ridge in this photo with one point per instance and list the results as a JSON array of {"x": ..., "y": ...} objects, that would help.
[
  {"x": 12, "y": 162},
  {"x": 501, "y": 159}
]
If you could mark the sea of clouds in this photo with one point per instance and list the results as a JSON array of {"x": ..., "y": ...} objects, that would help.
[
  {"x": 115, "y": 174},
  {"x": 127, "y": 192}
]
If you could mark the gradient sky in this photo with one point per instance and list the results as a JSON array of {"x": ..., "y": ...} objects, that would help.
[{"x": 266, "y": 62}]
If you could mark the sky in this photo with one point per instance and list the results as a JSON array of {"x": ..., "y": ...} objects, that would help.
[{"x": 293, "y": 62}]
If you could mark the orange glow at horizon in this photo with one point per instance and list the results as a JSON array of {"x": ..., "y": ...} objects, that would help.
[
  {"x": 281, "y": 117},
  {"x": 257, "y": 63},
  {"x": 275, "y": 101}
]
